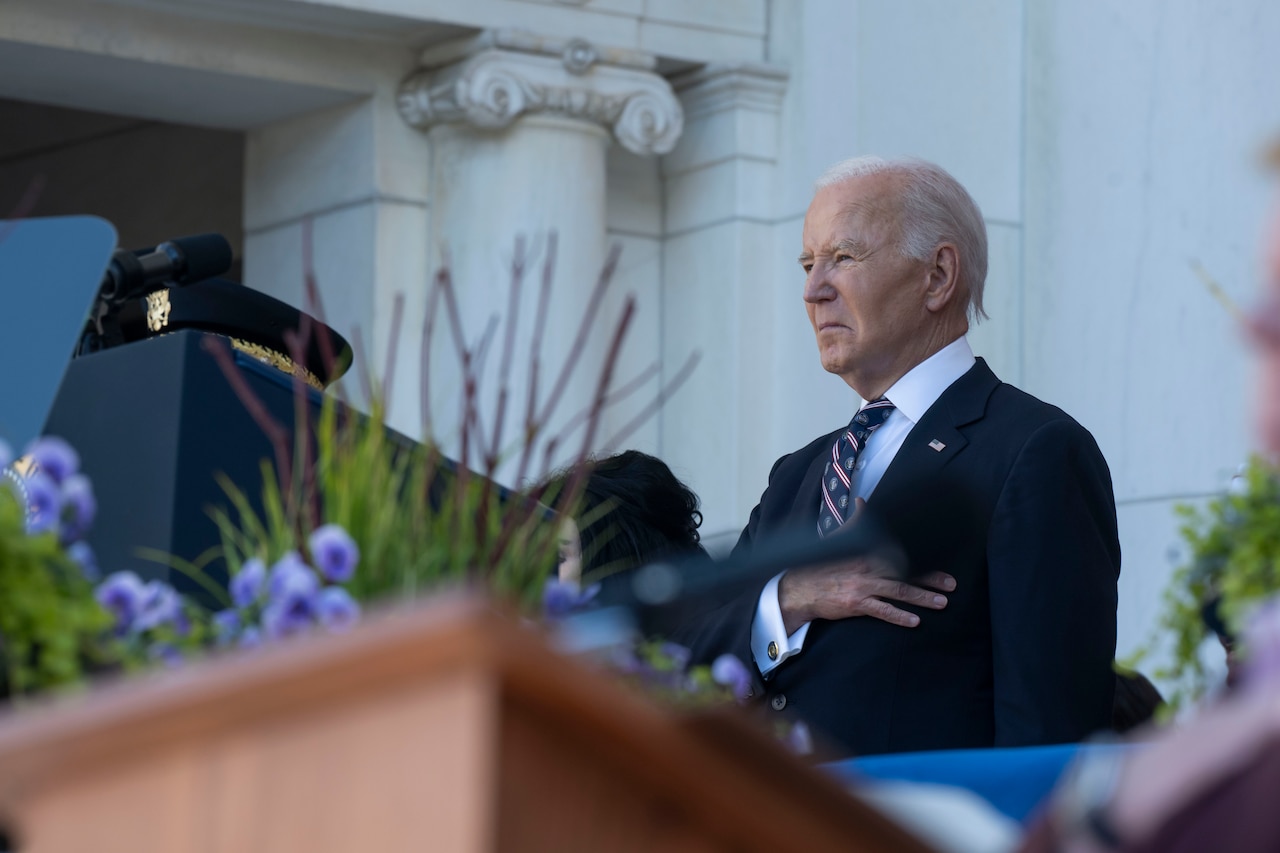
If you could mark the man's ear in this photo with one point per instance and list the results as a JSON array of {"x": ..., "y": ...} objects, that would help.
[{"x": 944, "y": 279}]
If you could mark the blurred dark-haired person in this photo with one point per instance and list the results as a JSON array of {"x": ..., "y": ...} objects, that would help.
[
  {"x": 1004, "y": 631},
  {"x": 632, "y": 510}
]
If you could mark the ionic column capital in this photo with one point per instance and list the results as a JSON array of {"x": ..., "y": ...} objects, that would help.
[{"x": 493, "y": 79}]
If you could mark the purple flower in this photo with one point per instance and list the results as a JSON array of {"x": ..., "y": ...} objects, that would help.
[
  {"x": 250, "y": 638},
  {"x": 54, "y": 456},
  {"x": 1262, "y": 646},
  {"x": 78, "y": 507},
  {"x": 122, "y": 595},
  {"x": 83, "y": 556},
  {"x": 799, "y": 740},
  {"x": 334, "y": 553},
  {"x": 247, "y": 585},
  {"x": 160, "y": 606},
  {"x": 561, "y": 598},
  {"x": 6, "y": 454},
  {"x": 166, "y": 654},
  {"x": 732, "y": 673},
  {"x": 677, "y": 654},
  {"x": 291, "y": 578},
  {"x": 44, "y": 502},
  {"x": 336, "y": 609},
  {"x": 288, "y": 616},
  {"x": 226, "y": 624}
]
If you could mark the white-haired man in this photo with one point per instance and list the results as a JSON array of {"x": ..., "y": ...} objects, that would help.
[{"x": 1003, "y": 632}]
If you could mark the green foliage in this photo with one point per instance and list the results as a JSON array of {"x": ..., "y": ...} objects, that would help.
[
  {"x": 1234, "y": 544},
  {"x": 418, "y": 522},
  {"x": 51, "y": 628}
]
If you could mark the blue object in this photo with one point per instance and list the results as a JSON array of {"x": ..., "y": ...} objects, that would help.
[
  {"x": 1015, "y": 780},
  {"x": 50, "y": 271}
]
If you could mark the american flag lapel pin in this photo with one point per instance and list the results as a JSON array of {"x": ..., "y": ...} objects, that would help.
[{"x": 937, "y": 445}]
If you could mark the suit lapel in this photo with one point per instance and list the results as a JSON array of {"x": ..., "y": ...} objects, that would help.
[{"x": 937, "y": 438}]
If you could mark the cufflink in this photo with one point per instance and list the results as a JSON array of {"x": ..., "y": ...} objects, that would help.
[{"x": 772, "y": 650}]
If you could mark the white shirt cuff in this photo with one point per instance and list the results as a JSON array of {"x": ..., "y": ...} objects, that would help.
[{"x": 768, "y": 629}]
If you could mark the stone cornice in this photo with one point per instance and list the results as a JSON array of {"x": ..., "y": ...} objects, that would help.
[
  {"x": 493, "y": 79},
  {"x": 717, "y": 87}
]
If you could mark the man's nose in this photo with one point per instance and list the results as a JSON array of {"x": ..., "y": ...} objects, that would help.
[{"x": 816, "y": 286}]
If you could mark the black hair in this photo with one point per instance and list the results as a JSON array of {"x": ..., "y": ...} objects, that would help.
[{"x": 632, "y": 511}]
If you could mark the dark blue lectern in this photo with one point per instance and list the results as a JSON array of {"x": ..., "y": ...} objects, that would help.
[{"x": 154, "y": 422}]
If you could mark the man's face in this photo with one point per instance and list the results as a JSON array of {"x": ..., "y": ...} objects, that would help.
[{"x": 865, "y": 299}]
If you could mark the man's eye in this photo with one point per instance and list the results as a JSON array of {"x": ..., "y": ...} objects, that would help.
[
  {"x": 842, "y": 257},
  {"x": 808, "y": 268}
]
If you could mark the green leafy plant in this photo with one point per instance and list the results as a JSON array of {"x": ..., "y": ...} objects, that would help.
[
  {"x": 1233, "y": 564},
  {"x": 51, "y": 627},
  {"x": 419, "y": 518}
]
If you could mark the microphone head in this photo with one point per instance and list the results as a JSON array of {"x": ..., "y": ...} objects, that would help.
[{"x": 198, "y": 257}]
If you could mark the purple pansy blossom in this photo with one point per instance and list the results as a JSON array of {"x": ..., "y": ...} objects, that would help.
[
  {"x": 78, "y": 508},
  {"x": 6, "y": 454},
  {"x": 336, "y": 609},
  {"x": 44, "y": 502},
  {"x": 1262, "y": 646},
  {"x": 122, "y": 595},
  {"x": 677, "y": 654},
  {"x": 54, "y": 456},
  {"x": 334, "y": 553},
  {"x": 248, "y": 583},
  {"x": 166, "y": 654},
  {"x": 729, "y": 671},
  {"x": 250, "y": 638},
  {"x": 83, "y": 556},
  {"x": 288, "y": 616},
  {"x": 160, "y": 606},
  {"x": 562, "y": 598},
  {"x": 226, "y": 624},
  {"x": 291, "y": 578}
]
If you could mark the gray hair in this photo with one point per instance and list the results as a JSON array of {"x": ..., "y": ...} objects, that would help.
[{"x": 935, "y": 209}]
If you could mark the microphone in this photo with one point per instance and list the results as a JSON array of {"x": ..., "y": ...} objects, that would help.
[{"x": 181, "y": 261}]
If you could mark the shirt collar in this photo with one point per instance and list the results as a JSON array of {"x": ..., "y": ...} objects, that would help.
[{"x": 923, "y": 384}]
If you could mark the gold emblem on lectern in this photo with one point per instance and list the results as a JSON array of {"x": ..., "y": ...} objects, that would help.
[{"x": 158, "y": 309}]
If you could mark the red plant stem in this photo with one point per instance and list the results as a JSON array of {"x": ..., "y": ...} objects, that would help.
[
  {"x": 315, "y": 307},
  {"x": 606, "y": 374},
  {"x": 535, "y": 360},
  {"x": 664, "y": 394},
  {"x": 308, "y": 500},
  {"x": 584, "y": 329},
  {"x": 633, "y": 385},
  {"x": 393, "y": 343},
  {"x": 428, "y": 330},
  {"x": 518, "y": 262},
  {"x": 274, "y": 430},
  {"x": 357, "y": 344}
]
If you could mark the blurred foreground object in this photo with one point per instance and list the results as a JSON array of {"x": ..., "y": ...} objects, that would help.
[{"x": 447, "y": 728}]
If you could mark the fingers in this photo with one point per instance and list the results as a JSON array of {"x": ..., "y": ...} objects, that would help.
[
  {"x": 886, "y": 612},
  {"x": 906, "y": 593},
  {"x": 938, "y": 580}
]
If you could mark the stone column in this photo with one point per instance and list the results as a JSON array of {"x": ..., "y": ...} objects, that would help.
[
  {"x": 518, "y": 128},
  {"x": 723, "y": 291}
]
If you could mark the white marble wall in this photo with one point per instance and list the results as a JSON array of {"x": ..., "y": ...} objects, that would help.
[
  {"x": 1143, "y": 122},
  {"x": 358, "y": 176}
]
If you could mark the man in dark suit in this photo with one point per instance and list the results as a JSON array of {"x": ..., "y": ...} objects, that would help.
[{"x": 1003, "y": 631}]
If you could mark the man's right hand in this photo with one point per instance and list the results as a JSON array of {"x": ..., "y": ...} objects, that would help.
[{"x": 860, "y": 587}]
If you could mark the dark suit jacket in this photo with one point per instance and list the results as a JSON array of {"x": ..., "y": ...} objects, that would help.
[{"x": 1018, "y": 507}]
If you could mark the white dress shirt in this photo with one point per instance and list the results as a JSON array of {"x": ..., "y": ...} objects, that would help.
[{"x": 912, "y": 396}]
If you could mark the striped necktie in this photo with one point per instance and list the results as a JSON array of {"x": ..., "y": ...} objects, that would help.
[{"x": 837, "y": 481}]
